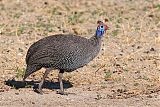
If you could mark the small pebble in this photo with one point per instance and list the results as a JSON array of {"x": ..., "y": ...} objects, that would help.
[
  {"x": 17, "y": 93},
  {"x": 149, "y": 96},
  {"x": 152, "y": 49},
  {"x": 33, "y": 102},
  {"x": 138, "y": 47},
  {"x": 46, "y": 3},
  {"x": 20, "y": 54},
  {"x": 20, "y": 50},
  {"x": 150, "y": 15}
]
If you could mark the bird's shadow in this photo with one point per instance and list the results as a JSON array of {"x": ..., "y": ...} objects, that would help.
[{"x": 34, "y": 84}]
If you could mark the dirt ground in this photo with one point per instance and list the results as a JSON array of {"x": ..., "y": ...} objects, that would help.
[{"x": 125, "y": 73}]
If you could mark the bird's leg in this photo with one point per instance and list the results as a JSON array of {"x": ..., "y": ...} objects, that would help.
[
  {"x": 43, "y": 79},
  {"x": 61, "y": 91},
  {"x": 60, "y": 76}
]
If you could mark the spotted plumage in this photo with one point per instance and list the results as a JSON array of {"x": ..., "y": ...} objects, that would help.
[{"x": 63, "y": 52}]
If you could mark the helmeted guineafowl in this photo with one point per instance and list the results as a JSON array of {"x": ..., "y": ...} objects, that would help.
[{"x": 63, "y": 52}]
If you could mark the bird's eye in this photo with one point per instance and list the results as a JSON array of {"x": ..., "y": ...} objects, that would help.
[{"x": 101, "y": 26}]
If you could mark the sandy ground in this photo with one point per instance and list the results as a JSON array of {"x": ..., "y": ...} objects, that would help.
[
  {"x": 125, "y": 73},
  {"x": 80, "y": 98}
]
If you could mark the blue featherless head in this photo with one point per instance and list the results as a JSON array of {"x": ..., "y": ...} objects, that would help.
[{"x": 101, "y": 29}]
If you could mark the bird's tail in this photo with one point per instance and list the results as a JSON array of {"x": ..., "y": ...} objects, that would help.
[{"x": 31, "y": 69}]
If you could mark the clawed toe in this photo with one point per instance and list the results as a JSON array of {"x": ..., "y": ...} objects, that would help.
[
  {"x": 62, "y": 93},
  {"x": 39, "y": 91}
]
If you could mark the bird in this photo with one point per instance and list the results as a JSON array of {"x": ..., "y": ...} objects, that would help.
[{"x": 64, "y": 52}]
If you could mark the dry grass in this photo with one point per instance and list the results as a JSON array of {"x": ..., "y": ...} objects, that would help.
[{"x": 131, "y": 52}]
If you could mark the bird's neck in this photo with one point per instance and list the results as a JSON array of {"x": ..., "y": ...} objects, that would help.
[{"x": 95, "y": 40}]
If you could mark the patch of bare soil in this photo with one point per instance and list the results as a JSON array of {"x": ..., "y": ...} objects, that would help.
[{"x": 125, "y": 73}]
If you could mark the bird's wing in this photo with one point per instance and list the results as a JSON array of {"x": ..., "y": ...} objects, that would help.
[
  {"x": 56, "y": 52},
  {"x": 50, "y": 40}
]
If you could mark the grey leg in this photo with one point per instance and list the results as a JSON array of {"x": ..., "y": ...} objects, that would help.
[
  {"x": 60, "y": 76},
  {"x": 43, "y": 79}
]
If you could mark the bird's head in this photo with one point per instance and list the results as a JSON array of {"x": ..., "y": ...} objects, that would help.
[{"x": 101, "y": 29}]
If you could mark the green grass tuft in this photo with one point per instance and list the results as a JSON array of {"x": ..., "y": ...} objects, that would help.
[
  {"x": 20, "y": 72},
  {"x": 107, "y": 75}
]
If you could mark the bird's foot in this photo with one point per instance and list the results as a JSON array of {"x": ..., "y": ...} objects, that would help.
[
  {"x": 62, "y": 92},
  {"x": 39, "y": 91}
]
